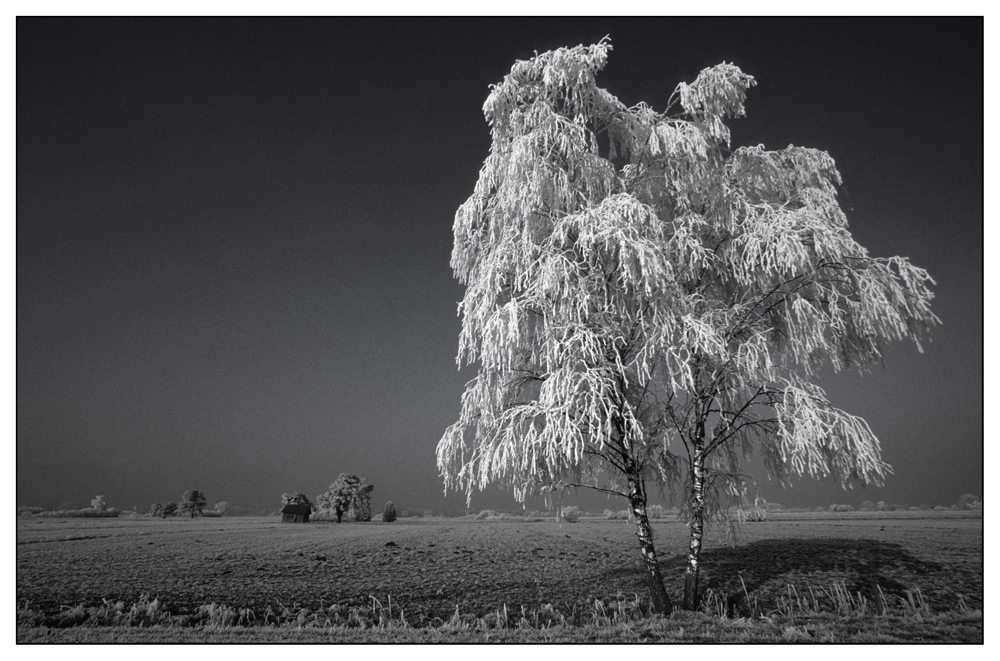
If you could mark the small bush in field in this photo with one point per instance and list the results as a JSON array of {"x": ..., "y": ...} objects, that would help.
[
  {"x": 867, "y": 506},
  {"x": 389, "y": 512},
  {"x": 571, "y": 514},
  {"x": 28, "y": 511},
  {"x": 968, "y": 501},
  {"x": 656, "y": 512},
  {"x": 486, "y": 514},
  {"x": 820, "y": 508}
]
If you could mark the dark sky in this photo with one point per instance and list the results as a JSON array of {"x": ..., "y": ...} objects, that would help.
[{"x": 233, "y": 237}]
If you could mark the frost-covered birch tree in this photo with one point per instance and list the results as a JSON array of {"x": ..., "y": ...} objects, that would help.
[{"x": 645, "y": 303}]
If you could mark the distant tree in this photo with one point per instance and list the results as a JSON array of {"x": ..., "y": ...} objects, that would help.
[
  {"x": 193, "y": 502},
  {"x": 645, "y": 303},
  {"x": 221, "y": 507},
  {"x": 389, "y": 512},
  {"x": 968, "y": 501},
  {"x": 156, "y": 509},
  {"x": 98, "y": 504},
  {"x": 350, "y": 495},
  {"x": 170, "y": 509},
  {"x": 297, "y": 498}
]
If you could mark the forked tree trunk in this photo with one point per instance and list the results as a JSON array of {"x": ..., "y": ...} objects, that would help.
[
  {"x": 691, "y": 592},
  {"x": 657, "y": 592}
]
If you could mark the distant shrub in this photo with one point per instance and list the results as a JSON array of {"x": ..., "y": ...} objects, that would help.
[
  {"x": 486, "y": 514},
  {"x": 28, "y": 511},
  {"x": 914, "y": 508},
  {"x": 98, "y": 503},
  {"x": 571, "y": 514},
  {"x": 967, "y": 501},
  {"x": 940, "y": 508},
  {"x": 389, "y": 512},
  {"x": 656, "y": 512},
  {"x": 773, "y": 507},
  {"x": 754, "y": 514},
  {"x": 820, "y": 508},
  {"x": 841, "y": 508},
  {"x": 867, "y": 506},
  {"x": 211, "y": 513},
  {"x": 412, "y": 514}
]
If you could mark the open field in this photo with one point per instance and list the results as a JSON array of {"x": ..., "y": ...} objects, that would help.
[{"x": 428, "y": 568}]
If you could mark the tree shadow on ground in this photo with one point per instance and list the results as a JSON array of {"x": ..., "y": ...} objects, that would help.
[{"x": 762, "y": 570}]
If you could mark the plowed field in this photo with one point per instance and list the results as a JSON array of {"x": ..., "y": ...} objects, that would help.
[{"x": 429, "y": 566}]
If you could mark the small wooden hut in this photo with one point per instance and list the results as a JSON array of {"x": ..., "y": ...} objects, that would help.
[{"x": 295, "y": 514}]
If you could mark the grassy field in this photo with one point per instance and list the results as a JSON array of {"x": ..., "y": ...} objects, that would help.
[{"x": 817, "y": 577}]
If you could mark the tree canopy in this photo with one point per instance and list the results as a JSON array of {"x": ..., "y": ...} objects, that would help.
[
  {"x": 193, "y": 502},
  {"x": 645, "y": 302},
  {"x": 297, "y": 498},
  {"x": 349, "y": 494}
]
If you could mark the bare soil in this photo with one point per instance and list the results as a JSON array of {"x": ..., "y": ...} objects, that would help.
[{"x": 428, "y": 567}]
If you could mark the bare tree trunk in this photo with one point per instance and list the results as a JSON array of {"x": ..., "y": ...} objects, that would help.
[
  {"x": 691, "y": 595},
  {"x": 657, "y": 592}
]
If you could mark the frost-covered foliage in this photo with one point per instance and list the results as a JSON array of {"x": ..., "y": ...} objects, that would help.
[
  {"x": 350, "y": 495},
  {"x": 637, "y": 292},
  {"x": 297, "y": 498},
  {"x": 644, "y": 302},
  {"x": 193, "y": 503},
  {"x": 968, "y": 501}
]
